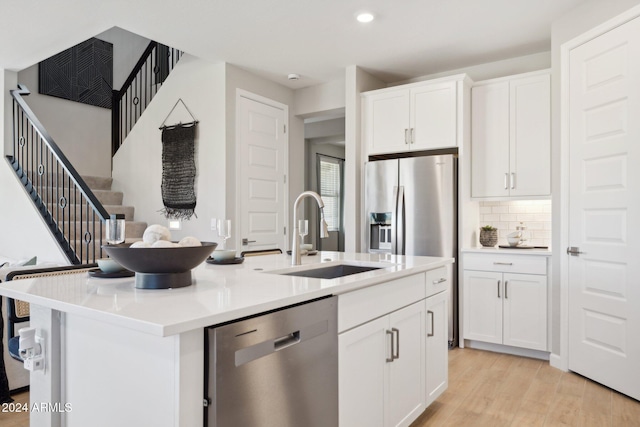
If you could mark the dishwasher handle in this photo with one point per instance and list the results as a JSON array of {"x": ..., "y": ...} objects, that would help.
[{"x": 286, "y": 341}]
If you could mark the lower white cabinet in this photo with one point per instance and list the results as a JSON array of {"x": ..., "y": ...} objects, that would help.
[
  {"x": 382, "y": 370},
  {"x": 506, "y": 308},
  {"x": 437, "y": 346},
  {"x": 393, "y": 349}
]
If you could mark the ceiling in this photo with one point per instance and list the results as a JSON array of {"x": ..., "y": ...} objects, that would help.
[{"x": 316, "y": 39}]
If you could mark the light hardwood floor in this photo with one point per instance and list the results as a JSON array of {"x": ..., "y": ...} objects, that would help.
[
  {"x": 16, "y": 419},
  {"x": 491, "y": 389}
]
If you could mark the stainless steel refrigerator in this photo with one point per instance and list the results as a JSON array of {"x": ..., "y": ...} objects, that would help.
[{"x": 411, "y": 208}]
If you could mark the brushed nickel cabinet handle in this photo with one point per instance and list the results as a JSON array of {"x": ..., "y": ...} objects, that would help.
[
  {"x": 406, "y": 136},
  {"x": 502, "y": 263},
  {"x": 440, "y": 280},
  {"x": 390, "y": 359},
  {"x": 506, "y": 282},
  {"x": 397, "y": 332},
  {"x": 429, "y": 312},
  {"x": 498, "y": 288}
]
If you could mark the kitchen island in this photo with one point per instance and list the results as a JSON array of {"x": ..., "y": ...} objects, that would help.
[{"x": 117, "y": 355}]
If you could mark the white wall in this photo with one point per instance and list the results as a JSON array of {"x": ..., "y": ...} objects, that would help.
[
  {"x": 357, "y": 81},
  {"x": 492, "y": 70},
  {"x": 577, "y": 21},
  {"x": 238, "y": 78},
  {"x": 137, "y": 166},
  {"x": 127, "y": 50},
  {"x": 23, "y": 231},
  {"x": 83, "y": 131},
  {"x": 321, "y": 99}
]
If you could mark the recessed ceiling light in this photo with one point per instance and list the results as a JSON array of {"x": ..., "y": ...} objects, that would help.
[{"x": 365, "y": 17}]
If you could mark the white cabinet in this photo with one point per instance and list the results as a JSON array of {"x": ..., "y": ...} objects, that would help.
[
  {"x": 420, "y": 116},
  {"x": 511, "y": 136},
  {"x": 505, "y": 300},
  {"x": 437, "y": 346},
  {"x": 362, "y": 374},
  {"x": 381, "y": 373},
  {"x": 393, "y": 349}
]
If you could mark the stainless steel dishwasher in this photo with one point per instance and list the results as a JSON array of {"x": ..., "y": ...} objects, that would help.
[{"x": 277, "y": 369}]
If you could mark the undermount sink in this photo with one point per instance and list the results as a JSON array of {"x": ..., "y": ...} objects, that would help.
[{"x": 330, "y": 272}]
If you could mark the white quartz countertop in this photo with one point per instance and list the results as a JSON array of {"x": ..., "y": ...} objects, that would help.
[
  {"x": 219, "y": 293},
  {"x": 497, "y": 250}
]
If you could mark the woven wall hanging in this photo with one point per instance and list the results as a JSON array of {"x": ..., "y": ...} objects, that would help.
[{"x": 179, "y": 169}]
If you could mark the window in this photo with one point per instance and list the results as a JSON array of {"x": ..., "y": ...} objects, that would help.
[{"x": 330, "y": 185}]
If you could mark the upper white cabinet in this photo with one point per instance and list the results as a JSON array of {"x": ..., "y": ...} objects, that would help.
[
  {"x": 511, "y": 136},
  {"x": 419, "y": 116}
]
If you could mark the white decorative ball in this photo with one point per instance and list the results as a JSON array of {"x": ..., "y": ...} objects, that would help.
[
  {"x": 164, "y": 244},
  {"x": 189, "y": 241},
  {"x": 139, "y": 244},
  {"x": 156, "y": 232}
]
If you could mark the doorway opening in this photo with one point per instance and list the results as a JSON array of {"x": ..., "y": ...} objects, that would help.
[{"x": 324, "y": 165}]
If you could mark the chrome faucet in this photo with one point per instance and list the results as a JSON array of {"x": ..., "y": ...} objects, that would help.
[{"x": 324, "y": 228}]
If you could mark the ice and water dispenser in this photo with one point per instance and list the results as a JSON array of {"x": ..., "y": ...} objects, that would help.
[{"x": 380, "y": 231}]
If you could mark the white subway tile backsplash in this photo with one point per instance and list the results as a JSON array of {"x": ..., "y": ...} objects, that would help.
[
  {"x": 507, "y": 215},
  {"x": 515, "y": 209}
]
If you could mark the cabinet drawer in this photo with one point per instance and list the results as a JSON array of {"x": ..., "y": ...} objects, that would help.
[
  {"x": 437, "y": 280},
  {"x": 358, "y": 307},
  {"x": 506, "y": 263}
]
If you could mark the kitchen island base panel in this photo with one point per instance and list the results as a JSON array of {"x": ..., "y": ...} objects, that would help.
[{"x": 103, "y": 359}]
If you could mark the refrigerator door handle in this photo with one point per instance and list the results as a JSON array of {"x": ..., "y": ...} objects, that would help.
[
  {"x": 394, "y": 222},
  {"x": 400, "y": 231}
]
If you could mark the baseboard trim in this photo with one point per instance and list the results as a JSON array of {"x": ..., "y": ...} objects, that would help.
[
  {"x": 558, "y": 362},
  {"x": 499, "y": 348}
]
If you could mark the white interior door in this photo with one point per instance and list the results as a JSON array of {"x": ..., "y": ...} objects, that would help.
[
  {"x": 262, "y": 168},
  {"x": 604, "y": 209}
]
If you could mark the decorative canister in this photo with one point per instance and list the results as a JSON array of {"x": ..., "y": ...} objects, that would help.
[{"x": 488, "y": 236}]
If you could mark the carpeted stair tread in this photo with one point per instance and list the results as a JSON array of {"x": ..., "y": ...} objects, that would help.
[
  {"x": 106, "y": 197},
  {"x": 98, "y": 182}
]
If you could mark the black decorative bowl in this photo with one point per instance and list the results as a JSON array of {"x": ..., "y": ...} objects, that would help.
[{"x": 160, "y": 268}]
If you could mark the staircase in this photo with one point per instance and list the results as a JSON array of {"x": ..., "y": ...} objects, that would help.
[
  {"x": 73, "y": 207},
  {"x": 112, "y": 202}
]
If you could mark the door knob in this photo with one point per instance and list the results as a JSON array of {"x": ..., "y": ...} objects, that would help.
[{"x": 574, "y": 251}]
